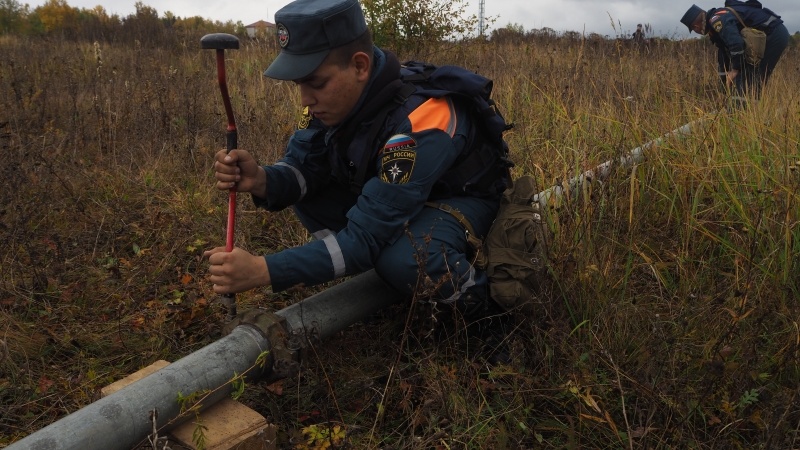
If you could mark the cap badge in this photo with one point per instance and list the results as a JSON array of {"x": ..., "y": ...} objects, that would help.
[{"x": 283, "y": 35}]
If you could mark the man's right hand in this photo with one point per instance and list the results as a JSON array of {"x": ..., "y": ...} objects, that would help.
[
  {"x": 730, "y": 77},
  {"x": 238, "y": 169}
]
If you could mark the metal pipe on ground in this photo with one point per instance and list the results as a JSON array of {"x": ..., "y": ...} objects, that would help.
[{"x": 122, "y": 419}]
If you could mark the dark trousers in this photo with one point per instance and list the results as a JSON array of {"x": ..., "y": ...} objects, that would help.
[{"x": 434, "y": 243}]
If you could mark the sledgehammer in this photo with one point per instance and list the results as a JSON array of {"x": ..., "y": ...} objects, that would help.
[{"x": 220, "y": 42}]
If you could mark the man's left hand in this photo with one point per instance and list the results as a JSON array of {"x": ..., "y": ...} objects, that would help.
[{"x": 236, "y": 271}]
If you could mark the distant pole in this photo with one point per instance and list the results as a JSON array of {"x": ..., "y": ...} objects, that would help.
[{"x": 481, "y": 10}]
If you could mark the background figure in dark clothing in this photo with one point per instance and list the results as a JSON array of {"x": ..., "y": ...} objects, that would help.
[
  {"x": 638, "y": 35},
  {"x": 724, "y": 30}
]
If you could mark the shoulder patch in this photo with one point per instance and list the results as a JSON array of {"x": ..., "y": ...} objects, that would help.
[
  {"x": 718, "y": 15},
  {"x": 399, "y": 156},
  {"x": 717, "y": 26},
  {"x": 304, "y": 120}
]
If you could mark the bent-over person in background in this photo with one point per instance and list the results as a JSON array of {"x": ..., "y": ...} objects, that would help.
[{"x": 723, "y": 28}]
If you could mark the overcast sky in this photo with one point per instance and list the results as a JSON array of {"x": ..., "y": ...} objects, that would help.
[{"x": 589, "y": 16}]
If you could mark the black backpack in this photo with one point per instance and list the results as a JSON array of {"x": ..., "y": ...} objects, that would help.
[
  {"x": 750, "y": 3},
  {"x": 485, "y": 170}
]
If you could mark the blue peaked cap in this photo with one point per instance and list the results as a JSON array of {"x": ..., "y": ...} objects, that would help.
[
  {"x": 691, "y": 15},
  {"x": 308, "y": 30}
]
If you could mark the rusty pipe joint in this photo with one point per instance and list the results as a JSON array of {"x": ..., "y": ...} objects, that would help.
[{"x": 284, "y": 356}]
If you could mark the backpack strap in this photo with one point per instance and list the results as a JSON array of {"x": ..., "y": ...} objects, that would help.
[
  {"x": 474, "y": 241},
  {"x": 737, "y": 16}
]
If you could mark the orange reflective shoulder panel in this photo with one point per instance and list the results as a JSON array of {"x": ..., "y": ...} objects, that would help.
[{"x": 435, "y": 113}]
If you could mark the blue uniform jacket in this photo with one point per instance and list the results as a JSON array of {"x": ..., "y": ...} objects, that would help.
[
  {"x": 421, "y": 148},
  {"x": 725, "y": 29}
]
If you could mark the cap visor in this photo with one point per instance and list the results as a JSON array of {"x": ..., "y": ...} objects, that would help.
[{"x": 293, "y": 67}]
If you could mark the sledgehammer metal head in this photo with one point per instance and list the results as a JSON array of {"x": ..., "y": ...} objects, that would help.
[{"x": 219, "y": 41}]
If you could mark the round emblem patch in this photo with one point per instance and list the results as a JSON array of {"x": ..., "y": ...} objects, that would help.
[
  {"x": 397, "y": 162},
  {"x": 283, "y": 35},
  {"x": 304, "y": 120}
]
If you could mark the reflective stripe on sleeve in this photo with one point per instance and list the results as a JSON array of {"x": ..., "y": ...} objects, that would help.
[
  {"x": 337, "y": 259},
  {"x": 301, "y": 180}
]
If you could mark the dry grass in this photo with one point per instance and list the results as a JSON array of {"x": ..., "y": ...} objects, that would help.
[{"x": 671, "y": 320}]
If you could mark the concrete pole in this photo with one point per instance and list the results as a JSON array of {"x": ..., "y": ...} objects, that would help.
[
  {"x": 602, "y": 171},
  {"x": 122, "y": 419}
]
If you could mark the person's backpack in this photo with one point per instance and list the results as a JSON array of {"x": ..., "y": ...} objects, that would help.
[
  {"x": 485, "y": 171},
  {"x": 516, "y": 248},
  {"x": 750, "y": 3}
]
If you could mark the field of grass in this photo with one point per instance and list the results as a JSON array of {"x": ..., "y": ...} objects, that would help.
[{"x": 671, "y": 318}]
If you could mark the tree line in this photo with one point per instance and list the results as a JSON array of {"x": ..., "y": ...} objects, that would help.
[
  {"x": 57, "y": 19},
  {"x": 406, "y": 26}
]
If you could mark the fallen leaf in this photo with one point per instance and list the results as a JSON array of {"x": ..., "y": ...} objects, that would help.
[
  {"x": 44, "y": 384},
  {"x": 275, "y": 388}
]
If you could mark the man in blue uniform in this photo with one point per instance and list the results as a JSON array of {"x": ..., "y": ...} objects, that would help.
[
  {"x": 382, "y": 223},
  {"x": 724, "y": 29}
]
